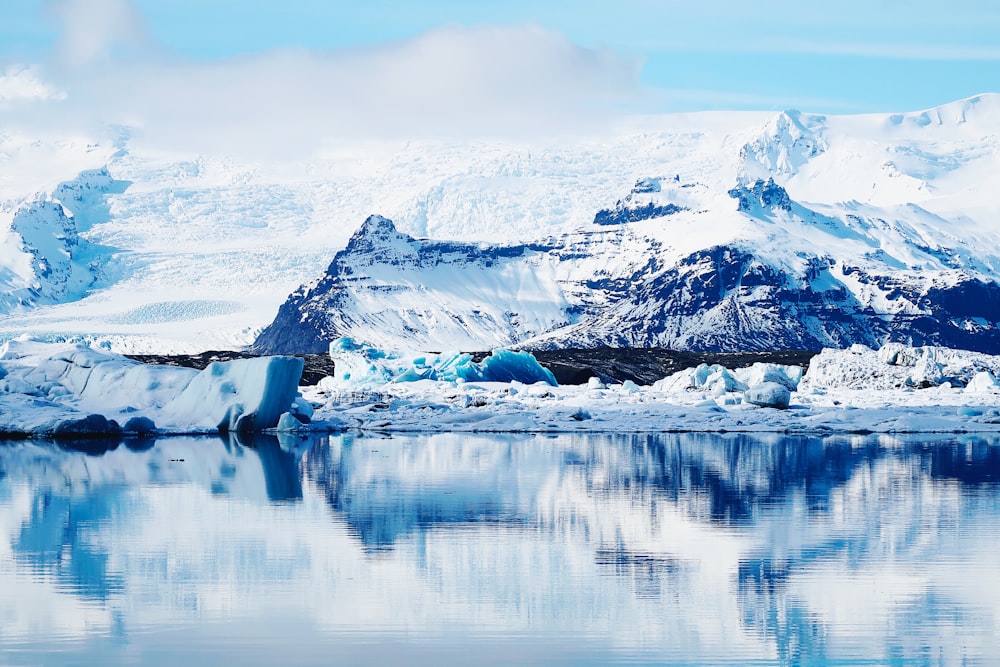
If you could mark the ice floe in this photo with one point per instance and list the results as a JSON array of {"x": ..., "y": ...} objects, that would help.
[
  {"x": 74, "y": 391},
  {"x": 895, "y": 389},
  {"x": 362, "y": 365}
]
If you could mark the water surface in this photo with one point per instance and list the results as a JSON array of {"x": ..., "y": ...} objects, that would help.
[{"x": 501, "y": 549}]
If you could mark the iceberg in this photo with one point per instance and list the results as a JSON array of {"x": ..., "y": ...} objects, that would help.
[
  {"x": 768, "y": 395},
  {"x": 896, "y": 366},
  {"x": 360, "y": 365},
  {"x": 75, "y": 391},
  {"x": 240, "y": 395},
  {"x": 715, "y": 379}
]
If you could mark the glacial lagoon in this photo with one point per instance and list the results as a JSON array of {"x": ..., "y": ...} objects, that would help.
[{"x": 482, "y": 549}]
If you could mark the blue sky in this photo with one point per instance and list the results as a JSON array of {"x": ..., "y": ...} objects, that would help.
[
  {"x": 287, "y": 78},
  {"x": 849, "y": 55}
]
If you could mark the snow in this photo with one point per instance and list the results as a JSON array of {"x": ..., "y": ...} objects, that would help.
[
  {"x": 202, "y": 249},
  {"x": 54, "y": 389},
  {"x": 858, "y": 390},
  {"x": 62, "y": 389}
]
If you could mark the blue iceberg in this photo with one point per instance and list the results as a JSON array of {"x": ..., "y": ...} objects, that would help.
[{"x": 359, "y": 364}]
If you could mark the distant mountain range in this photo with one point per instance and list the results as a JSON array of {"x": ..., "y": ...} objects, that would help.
[{"x": 703, "y": 232}]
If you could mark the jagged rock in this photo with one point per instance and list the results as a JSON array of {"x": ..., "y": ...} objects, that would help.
[
  {"x": 623, "y": 214},
  {"x": 762, "y": 194}
]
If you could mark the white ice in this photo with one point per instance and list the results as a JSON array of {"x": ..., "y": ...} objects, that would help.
[
  {"x": 857, "y": 390},
  {"x": 46, "y": 388}
]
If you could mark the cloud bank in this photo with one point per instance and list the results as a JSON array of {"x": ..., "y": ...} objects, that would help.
[{"x": 454, "y": 81}]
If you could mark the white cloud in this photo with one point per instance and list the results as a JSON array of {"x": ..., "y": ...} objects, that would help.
[
  {"x": 453, "y": 81},
  {"x": 21, "y": 84}
]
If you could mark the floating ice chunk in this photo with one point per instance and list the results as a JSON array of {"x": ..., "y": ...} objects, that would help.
[
  {"x": 94, "y": 381},
  {"x": 86, "y": 427},
  {"x": 722, "y": 381},
  {"x": 983, "y": 382},
  {"x": 289, "y": 422},
  {"x": 75, "y": 391},
  {"x": 595, "y": 383},
  {"x": 789, "y": 376},
  {"x": 715, "y": 379},
  {"x": 685, "y": 380},
  {"x": 239, "y": 395},
  {"x": 768, "y": 395},
  {"x": 361, "y": 365},
  {"x": 139, "y": 425},
  {"x": 505, "y": 366},
  {"x": 302, "y": 410},
  {"x": 926, "y": 373},
  {"x": 895, "y": 366}
]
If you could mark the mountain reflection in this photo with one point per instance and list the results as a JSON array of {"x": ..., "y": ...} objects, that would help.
[
  {"x": 719, "y": 479},
  {"x": 792, "y": 542}
]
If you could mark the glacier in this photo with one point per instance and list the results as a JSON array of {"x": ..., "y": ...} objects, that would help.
[{"x": 890, "y": 215}]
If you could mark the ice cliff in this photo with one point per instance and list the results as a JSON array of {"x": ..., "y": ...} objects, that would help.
[{"x": 73, "y": 390}]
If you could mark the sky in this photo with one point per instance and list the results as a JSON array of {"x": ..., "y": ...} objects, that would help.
[{"x": 387, "y": 67}]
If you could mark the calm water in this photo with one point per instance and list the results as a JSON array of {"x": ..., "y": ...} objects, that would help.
[{"x": 485, "y": 549}]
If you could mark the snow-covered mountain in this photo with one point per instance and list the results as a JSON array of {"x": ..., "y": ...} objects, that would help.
[
  {"x": 683, "y": 263},
  {"x": 716, "y": 230}
]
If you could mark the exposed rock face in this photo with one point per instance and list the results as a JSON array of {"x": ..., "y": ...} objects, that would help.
[
  {"x": 725, "y": 299},
  {"x": 763, "y": 194},
  {"x": 622, "y": 213}
]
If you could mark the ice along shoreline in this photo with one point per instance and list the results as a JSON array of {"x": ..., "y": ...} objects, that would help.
[{"x": 65, "y": 391}]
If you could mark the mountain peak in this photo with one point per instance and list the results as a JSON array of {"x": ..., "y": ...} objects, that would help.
[
  {"x": 377, "y": 230},
  {"x": 785, "y": 143},
  {"x": 761, "y": 194},
  {"x": 376, "y": 225}
]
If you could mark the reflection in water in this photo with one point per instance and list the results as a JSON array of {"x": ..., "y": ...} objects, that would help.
[{"x": 641, "y": 548}]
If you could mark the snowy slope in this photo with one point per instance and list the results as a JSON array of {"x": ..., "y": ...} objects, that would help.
[
  {"x": 690, "y": 264},
  {"x": 199, "y": 251}
]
